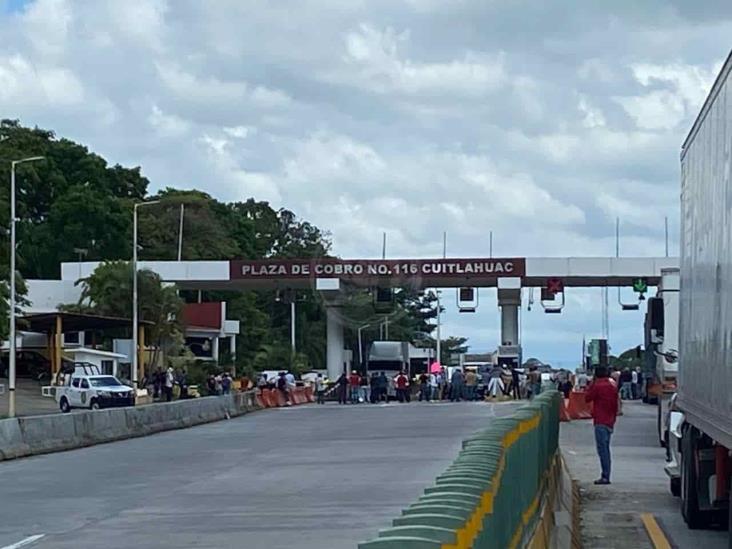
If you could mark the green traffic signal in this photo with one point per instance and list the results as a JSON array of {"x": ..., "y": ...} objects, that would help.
[{"x": 640, "y": 285}]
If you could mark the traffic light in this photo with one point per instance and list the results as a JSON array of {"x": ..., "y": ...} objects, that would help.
[{"x": 640, "y": 285}]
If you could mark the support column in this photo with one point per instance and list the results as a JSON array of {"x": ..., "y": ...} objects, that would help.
[
  {"x": 334, "y": 343},
  {"x": 215, "y": 348},
  {"x": 509, "y": 323},
  {"x": 509, "y": 300}
]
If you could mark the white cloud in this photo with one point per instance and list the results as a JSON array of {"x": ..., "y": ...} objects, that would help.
[
  {"x": 380, "y": 67},
  {"x": 23, "y": 83},
  {"x": 411, "y": 117},
  {"x": 167, "y": 125}
]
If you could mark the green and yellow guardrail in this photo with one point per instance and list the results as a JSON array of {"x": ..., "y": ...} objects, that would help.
[{"x": 491, "y": 495}]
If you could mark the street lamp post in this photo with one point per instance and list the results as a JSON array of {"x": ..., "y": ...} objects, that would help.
[
  {"x": 360, "y": 345},
  {"x": 135, "y": 320},
  {"x": 11, "y": 356}
]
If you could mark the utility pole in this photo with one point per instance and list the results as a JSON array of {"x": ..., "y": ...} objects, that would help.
[
  {"x": 12, "y": 351},
  {"x": 439, "y": 308},
  {"x": 135, "y": 319},
  {"x": 180, "y": 233},
  {"x": 666, "y": 227}
]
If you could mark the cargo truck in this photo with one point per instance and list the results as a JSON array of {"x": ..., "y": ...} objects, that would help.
[
  {"x": 662, "y": 347},
  {"x": 704, "y": 398}
]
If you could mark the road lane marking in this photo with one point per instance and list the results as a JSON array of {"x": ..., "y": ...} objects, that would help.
[
  {"x": 24, "y": 542},
  {"x": 658, "y": 538}
]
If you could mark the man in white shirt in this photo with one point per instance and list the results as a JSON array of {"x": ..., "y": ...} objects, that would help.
[{"x": 634, "y": 384}]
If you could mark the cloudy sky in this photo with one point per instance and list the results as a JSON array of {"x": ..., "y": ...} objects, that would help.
[{"x": 540, "y": 121}]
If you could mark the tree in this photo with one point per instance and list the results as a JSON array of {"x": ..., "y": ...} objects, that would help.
[
  {"x": 206, "y": 227},
  {"x": 69, "y": 185},
  {"x": 452, "y": 345},
  {"x": 108, "y": 292}
]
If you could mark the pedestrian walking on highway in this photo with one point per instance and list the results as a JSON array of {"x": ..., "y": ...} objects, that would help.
[
  {"x": 457, "y": 385},
  {"x": 169, "y": 382},
  {"x": 342, "y": 388},
  {"x": 441, "y": 385},
  {"x": 402, "y": 387},
  {"x": 320, "y": 389},
  {"x": 354, "y": 382},
  {"x": 603, "y": 394},
  {"x": 635, "y": 388}
]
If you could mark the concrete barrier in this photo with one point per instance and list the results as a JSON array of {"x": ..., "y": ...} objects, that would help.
[
  {"x": 26, "y": 436},
  {"x": 502, "y": 490}
]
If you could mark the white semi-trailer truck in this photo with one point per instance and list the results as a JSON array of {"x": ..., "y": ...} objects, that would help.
[
  {"x": 662, "y": 342},
  {"x": 705, "y": 321}
]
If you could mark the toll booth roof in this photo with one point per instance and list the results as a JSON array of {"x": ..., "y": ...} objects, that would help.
[{"x": 73, "y": 322}]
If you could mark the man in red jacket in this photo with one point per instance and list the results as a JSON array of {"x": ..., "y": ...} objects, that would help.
[{"x": 603, "y": 394}]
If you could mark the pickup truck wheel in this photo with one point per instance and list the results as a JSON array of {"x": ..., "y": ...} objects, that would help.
[
  {"x": 94, "y": 405},
  {"x": 64, "y": 405}
]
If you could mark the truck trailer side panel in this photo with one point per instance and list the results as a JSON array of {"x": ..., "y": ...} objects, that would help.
[{"x": 705, "y": 346}]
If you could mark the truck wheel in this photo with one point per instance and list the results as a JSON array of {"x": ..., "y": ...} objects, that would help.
[
  {"x": 675, "y": 487},
  {"x": 695, "y": 519},
  {"x": 64, "y": 405},
  {"x": 94, "y": 405}
]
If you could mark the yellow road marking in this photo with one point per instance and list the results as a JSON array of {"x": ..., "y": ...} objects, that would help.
[{"x": 658, "y": 538}]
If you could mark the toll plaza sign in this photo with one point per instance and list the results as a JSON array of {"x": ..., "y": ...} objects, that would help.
[{"x": 368, "y": 269}]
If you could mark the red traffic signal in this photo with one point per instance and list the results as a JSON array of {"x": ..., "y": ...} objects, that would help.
[{"x": 554, "y": 286}]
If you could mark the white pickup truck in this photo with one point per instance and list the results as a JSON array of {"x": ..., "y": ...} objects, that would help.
[{"x": 94, "y": 392}]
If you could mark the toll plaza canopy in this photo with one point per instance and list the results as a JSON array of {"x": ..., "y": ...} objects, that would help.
[{"x": 420, "y": 273}]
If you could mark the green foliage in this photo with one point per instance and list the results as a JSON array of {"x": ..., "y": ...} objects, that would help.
[
  {"x": 74, "y": 205},
  {"x": 72, "y": 199},
  {"x": 108, "y": 292},
  {"x": 627, "y": 359},
  {"x": 450, "y": 346}
]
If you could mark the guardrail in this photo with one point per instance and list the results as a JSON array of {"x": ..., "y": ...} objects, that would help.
[{"x": 492, "y": 494}]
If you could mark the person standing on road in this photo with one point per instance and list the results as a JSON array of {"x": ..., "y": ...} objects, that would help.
[
  {"x": 365, "y": 389},
  {"x": 342, "y": 388},
  {"x": 226, "y": 384},
  {"x": 515, "y": 383},
  {"x": 495, "y": 384},
  {"x": 354, "y": 382},
  {"x": 402, "y": 387},
  {"x": 433, "y": 387},
  {"x": 168, "y": 384},
  {"x": 424, "y": 387},
  {"x": 471, "y": 384},
  {"x": 634, "y": 384},
  {"x": 320, "y": 389},
  {"x": 457, "y": 385},
  {"x": 603, "y": 394}
]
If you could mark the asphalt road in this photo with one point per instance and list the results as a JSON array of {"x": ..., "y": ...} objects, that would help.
[
  {"x": 611, "y": 515},
  {"x": 305, "y": 477}
]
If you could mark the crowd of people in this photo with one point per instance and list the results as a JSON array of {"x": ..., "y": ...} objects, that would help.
[{"x": 459, "y": 385}]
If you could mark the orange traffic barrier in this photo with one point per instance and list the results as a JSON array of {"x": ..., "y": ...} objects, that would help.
[
  {"x": 577, "y": 407},
  {"x": 261, "y": 400},
  {"x": 309, "y": 396}
]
